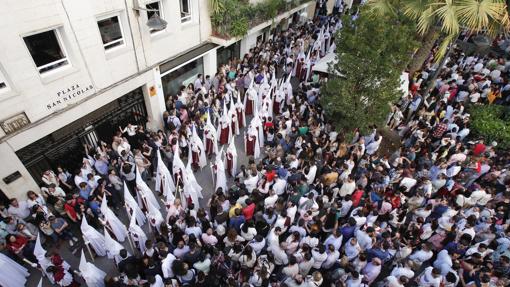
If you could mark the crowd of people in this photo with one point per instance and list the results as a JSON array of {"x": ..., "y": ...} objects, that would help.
[{"x": 308, "y": 207}]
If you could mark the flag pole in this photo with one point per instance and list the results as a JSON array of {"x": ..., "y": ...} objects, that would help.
[
  {"x": 86, "y": 242},
  {"x": 130, "y": 242}
]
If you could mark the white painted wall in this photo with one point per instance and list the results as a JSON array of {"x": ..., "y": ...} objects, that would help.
[{"x": 111, "y": 74}]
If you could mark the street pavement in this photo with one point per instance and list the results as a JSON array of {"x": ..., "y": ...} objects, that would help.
[{"x": 204, "y": 178}]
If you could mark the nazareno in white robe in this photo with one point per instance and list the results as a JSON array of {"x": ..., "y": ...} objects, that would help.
[
  {"x": 137, "y": 234},
  {"x": 113, "y": 247},
  {"x": 132, "y": 207},
  {"x": 144, "y": 191},
  {"x": 93, "y": 276},
  {"x": 231, "y": 158},
  {"x": 221, "y": 178},
  {"x": 164, "y": 181},
  {"x": 117, "y": 227},
  {"x": 11, "y": 273},
  {"x": 93, "y": 237}
]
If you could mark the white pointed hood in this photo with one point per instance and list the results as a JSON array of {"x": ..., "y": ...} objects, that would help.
[
  {"x": 137, "y": 233},
  {"x": 132, "y": 206},
  {"x": 144, "y": 189},
  {"x": 113, "y": 247},
  {"x": 164, "y": 180},
  {"x": 94, "y": 238},
  {"x": 117, "y": 227},
  {"x": 93, "y": 276}
]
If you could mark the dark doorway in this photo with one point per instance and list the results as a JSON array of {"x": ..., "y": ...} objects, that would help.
[
  {"x": 64, "y": 147},
  {"x": 224, "y": 54}
]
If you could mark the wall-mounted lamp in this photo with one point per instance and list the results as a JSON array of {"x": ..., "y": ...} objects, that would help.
[{"x": 155, "y": 22}]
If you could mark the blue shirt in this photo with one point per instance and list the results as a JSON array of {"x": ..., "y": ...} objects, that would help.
[
  {"x": 347, "y": 232},
  {"x": 85, "y": 193},
  {"x": 101, "y": 167},
  {"x": 236, "y": 222},
  {"x": 95, "y": 207}
]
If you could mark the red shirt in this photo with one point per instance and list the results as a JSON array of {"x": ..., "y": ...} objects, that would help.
[
  {"x": 270, "y": 175},
  {"x": 18, "y": 244},
  {"x": 72, "y": 213},
  {"x": 479, "y": 149},
  {"x": 248, "y": 211},
  {"x": 268, "y": 125},
  {"x": 356, "y": 197}
]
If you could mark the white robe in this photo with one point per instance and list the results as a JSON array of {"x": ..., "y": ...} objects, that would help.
[
  {"x": 198, "y": 145},
  {"x": 166, "y": 265},
  {"x": 164, "y": 181},
  {"x": 93, "y": 276},
  {"x": 210, "y": 133},
  {"x": 132, "y": 207},
  {"x": 154, "y": 216},
  {"x": 221, "y": 178},
  {"x": 144, "y": 191},
  {"x": 137, "y": 234},
  {"x": 232, "y": 152},
  {"x": 113, "y": 247},
  {"x": 11, "y": 273},
  {"x": 43, "y": 261},
  {"x": 93, "y": 237},
  {"x": 373, "y": 146},
  {"x": 117, "y": 227},
  {"x": 310, "y": 176},
  {"x": 257, "y": 124},
  {"x": 251, "y": 183}
]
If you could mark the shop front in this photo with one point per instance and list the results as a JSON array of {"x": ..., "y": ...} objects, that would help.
[
  {"x": 184, "y": 69},
  {"x": 65, "y": 147}
]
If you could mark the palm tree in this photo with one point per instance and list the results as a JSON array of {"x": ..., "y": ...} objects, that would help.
[{"x": 446, "y": 19}]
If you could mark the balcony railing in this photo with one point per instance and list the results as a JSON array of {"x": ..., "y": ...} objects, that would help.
[{"x": 234, "y": 18}]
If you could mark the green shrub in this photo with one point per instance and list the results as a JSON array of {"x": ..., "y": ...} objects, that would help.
[
  {"x": 239, "y": 27},
  {"x": 492, "y": 123},
  {"x": 233, "y": 17}
]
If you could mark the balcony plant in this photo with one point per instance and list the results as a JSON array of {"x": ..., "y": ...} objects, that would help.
[{"x": 233, "y": 18}]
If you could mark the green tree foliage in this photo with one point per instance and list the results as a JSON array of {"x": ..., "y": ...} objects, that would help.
[
  {"x": 372, "y": 52},
  {"x": 233, "y": 18},
  {"x": 491, "y": 122}
]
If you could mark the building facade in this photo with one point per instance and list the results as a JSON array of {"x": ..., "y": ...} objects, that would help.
[{"x": 72, "y": 72}]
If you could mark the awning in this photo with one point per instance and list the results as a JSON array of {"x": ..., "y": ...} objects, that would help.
[{"x": 323, "y": 63}]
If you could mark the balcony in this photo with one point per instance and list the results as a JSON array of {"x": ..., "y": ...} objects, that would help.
[{"x": 233, "y": 19}]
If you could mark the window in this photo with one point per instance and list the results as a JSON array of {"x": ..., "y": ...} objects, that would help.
[
  {"x": 46, "y": 50},
  {"x": 154, "y": 6},
  {"x": 185, "y": 11},
  {"x": 111, "y": 32}
]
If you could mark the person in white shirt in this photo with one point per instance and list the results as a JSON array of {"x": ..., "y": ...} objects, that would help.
[
  {"x": 280, "y": 257},
  {"x": 443, "y": 260},
  {"x": 333, "y": 256},
  {"x": 258, "y": 243},
  {"x": 372, "y": 270},
  {"x": 352, "y": 249},
  {"x": 166, "y": 265},
  {"x": 404, "y": 270},
  {"x": 354, "y": 279},
  {"x": 155, "y": 281},
  {"x": 271, "y": 199},
  {"x": 365, "y": 240},
  {"x": 20, "y": 209},
  {"x": 319, "y": 256},
  {"x": 292, "y": 269},
  {"x": 422, "y": 255},
  {"x": 431, "y": 277},
  {"x": 209, "y": 238},
  {"x": 334, "y": 239},
  {"x": 306, "y": 264},
  {"x": 392, "y": 281}
]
